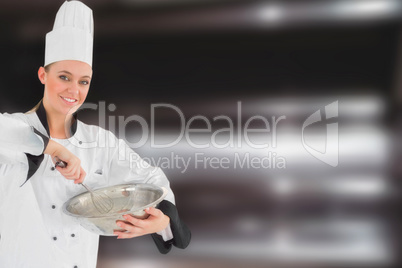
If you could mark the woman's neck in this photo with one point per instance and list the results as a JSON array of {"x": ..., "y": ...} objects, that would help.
[{"x": 59, "y": 125}]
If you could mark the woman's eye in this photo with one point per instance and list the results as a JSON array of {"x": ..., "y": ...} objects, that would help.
[
  {"x": 84, "y": 83},
  {"x": 63, "y": 77}
]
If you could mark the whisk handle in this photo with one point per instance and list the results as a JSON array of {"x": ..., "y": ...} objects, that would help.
[{"x": 59, "y": 162}]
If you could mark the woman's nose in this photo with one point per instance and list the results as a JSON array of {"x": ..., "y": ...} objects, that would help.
[{"x": 73, "y": 89}]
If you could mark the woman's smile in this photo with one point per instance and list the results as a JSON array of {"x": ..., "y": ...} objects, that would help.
[{"x": 69, "y": 101}]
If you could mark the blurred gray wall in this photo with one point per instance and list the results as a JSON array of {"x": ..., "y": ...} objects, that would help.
[{"x": 270, "y": 59}]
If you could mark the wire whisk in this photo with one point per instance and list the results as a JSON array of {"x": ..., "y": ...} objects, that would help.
[{"x": 101, "y": 201}]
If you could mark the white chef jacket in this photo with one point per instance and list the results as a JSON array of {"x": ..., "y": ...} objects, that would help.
[{"x": 34, "y": 230}]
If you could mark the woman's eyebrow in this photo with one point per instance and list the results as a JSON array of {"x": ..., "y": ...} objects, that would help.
[{"x": 67, "y": 72}]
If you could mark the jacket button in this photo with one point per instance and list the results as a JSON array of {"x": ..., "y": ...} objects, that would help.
[
  {"x": 52, "y": 168},
  {"x": 72, "y": 235},
  {"x": 75, "y": 266},
  {"x": 54, "y": 238},
  {"x": 53, "y": 206}
]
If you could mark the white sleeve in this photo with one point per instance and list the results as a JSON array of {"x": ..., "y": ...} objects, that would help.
[
  {"x": 166, "y": 233},
  {"x": 18, "y": 136}
]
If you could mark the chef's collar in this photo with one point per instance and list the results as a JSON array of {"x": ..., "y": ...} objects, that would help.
[
  {"x": 34, "y": 161},
  {"x": 41, "y": 113}
]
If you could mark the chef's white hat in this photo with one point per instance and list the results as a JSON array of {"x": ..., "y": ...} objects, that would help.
[{"x": 72, "y": 34}]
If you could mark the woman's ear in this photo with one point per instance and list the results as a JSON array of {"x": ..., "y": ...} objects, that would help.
[{"x": 42, "y": 75}]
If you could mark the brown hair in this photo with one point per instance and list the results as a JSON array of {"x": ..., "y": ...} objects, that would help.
[
  {"x": 47, "y": 67},
  {"x": 35, "y": 108}
]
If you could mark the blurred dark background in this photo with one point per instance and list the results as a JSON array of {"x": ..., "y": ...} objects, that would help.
[{"x": 276, "y": 58}]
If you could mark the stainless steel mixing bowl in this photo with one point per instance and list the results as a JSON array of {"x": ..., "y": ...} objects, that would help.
[{"x": 127, "y": 199}]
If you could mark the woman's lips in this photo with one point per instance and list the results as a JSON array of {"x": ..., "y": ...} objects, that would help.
[{"x": 68, "y": 101}]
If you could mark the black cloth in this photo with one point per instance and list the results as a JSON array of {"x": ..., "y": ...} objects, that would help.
[
  {"x": 34, "y": 161},
  {"x": 181, "y": 233}
]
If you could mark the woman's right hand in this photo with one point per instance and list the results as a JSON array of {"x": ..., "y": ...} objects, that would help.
[{"x": 73, "y": 171}]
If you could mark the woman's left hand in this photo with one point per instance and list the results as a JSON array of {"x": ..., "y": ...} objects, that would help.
[{"x": 156, "y": 222}]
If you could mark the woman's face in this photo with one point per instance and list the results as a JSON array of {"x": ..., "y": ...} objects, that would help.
[{"x": 66, "y": 86}]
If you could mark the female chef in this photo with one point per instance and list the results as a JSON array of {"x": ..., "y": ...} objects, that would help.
[{"x": 34, "y": 230}]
